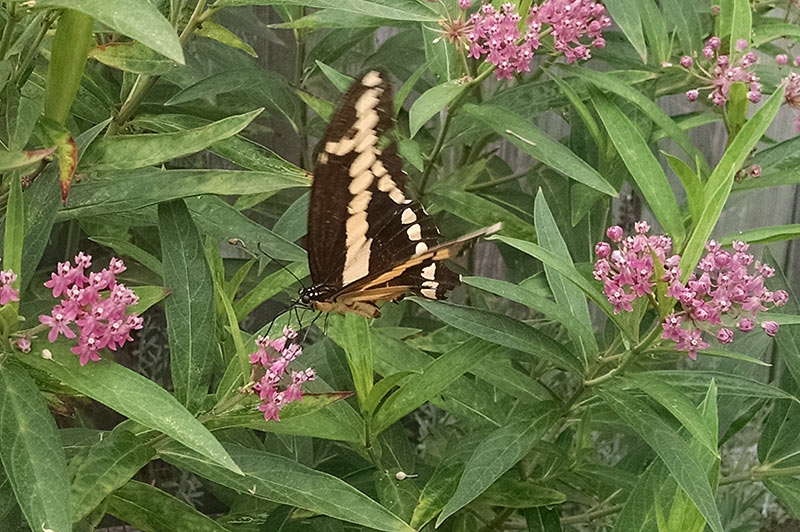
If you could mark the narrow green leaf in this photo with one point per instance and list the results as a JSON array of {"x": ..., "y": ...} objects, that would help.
[
  {"x": 67, "y": 61},
  {"x": 66, "y": 151},
  {"x": 405, "y": 90},
  {"x": 431, "y": 102},
  {"x": 787, "y": 490},
  {"x": 437, "y": 376},
  {"x": 127, "y": 152},
  {"x": 133, "y": 57},
  {"x": 138, "y": 20},
  {"x": 108, "y": 465},
  {"x": 130, "y": 394},
  {"x": 233, "y": 329},
  {"x": 680, "y": 406},
  {"x": 126, "y": 249},
  {"x": 543, "y": 520},
  {"x": 738, "y": 14},
  {"x": 764, "y": 235},
  {"x": 383, "y": 388},
  {"x": 14, "y": 232},
  {"x": 769, "y": 29},
  {"x": 31, "y": 452},
  {"x": 684, "y": 22},
  {"x": 131, "y": 190},
  {"x": 389, "y": 9},
  {"x": 482, "y": 212},
  {"x": 439, "y": 489},
  {"x": 699, "y": 381},
  {"x": 626, "y": 15},
  {"x": 151, "y": 510},
  {"x": 19, "y": 159},
  {"x": 41, "y": 206},
  {"x": 502, "y": 330},
  {"x": 581, "y": 108},
  {"x": 190, "y": 309},
  {"x": 277, "y": 479},
  {"x": 341, "y": 81},
  {"x": 643, "y": 166},
  {"x": 353, "y": 335},
  {"x": 607, "y": 82},
  {"x": 679, "y": 458},
  {"x": 691, "y": 183},
  {"x": 569, "y": 272},
  {"x": 718, "y": 186},
  {"x": 566, "y": 294},
  {"x": 268, "y": 287},
  {"x": 539, "y": 144},
  {"x": 397, "y": 496},
  {"x": 655, "y": 28},
  {"x": 219, "y": 33},
  {"x": 494, "y": 456},
  {"x": 513, "y": 493}
]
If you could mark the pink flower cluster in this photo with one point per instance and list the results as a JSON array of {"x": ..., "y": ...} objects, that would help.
[
  {"x": 496, "y": 34},
  {"x": 722, "y": 70},
  {"x": 7, "y": 291},
  {"x": 270, "y": 364},
  {"x": 724, "y": 293},
  {"x": 792, "y": 95},
  {"x": 95, "y": 302}
]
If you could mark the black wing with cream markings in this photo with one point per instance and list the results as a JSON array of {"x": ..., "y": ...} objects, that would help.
[{"x": 366, "y": 241}]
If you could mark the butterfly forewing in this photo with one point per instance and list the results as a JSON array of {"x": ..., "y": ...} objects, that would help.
[{"x": 367, "y": 242}]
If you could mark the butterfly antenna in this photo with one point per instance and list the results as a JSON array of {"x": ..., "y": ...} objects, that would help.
[
  {"x": 281, "y": 264},
  {"x": 308, "y": 329}
]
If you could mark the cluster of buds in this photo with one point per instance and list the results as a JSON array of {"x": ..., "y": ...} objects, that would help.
[
  {"x": 271, "y": 379},
  {"x": 792, "y": 95},
  {"x": 96, "y": 303},
  {"x": 721, "y": 71},
  {"x": 722, "y": 295},
  {"x": 500, "y": 36}
]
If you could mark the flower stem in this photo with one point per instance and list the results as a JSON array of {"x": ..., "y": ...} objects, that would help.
[{"x": 8, "y": 31}]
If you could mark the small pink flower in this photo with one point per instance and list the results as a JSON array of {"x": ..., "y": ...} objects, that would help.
[
  {"x": 23, "y": 343},
  {"x": 781, "y": 59},
  {"x": 692, "y": 94},
  {"x": 614, "y": 233},
  {"x": 780, "y": 297},
  {"x": 464, "y": 4},
  {"x": 755, "y": 171},
  {"x": 602, "y": 250},
  {"x": 687, "y": 61},
  {"x": 745, "y": 325},
  {"x": 725, "y": 335},
  {"x": 713, "y": 42},
  {"x": 716, "y": 9},
  {"x": 770, "y": 327},
  {"x": 58, "y": 321},
  {"x": 741, "y": 44}
]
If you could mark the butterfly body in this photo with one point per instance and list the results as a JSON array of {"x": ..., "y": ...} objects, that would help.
[{"x": 367, "y": 242}]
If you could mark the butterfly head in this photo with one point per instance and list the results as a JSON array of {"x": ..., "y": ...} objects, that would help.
[{"x": 314, "y": 293}]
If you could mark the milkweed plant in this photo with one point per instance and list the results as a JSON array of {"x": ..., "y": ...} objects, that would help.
[{"x": 623, "y": 355}]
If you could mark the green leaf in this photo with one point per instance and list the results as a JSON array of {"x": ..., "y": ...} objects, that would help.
[
  {"x": 625, "y": 14},
  {"x": 124, "y": 248},
  {"x": 552, "y": 311},
  {"x": 131, "y": 190},
  {"x": 566, "y": 294},
  {"x": 19, "y": 159},
  {"x": 211, "y": 30},
  {"x": 767, "y": 30},
  {"x": 655, "y": 27},
  {"x": 268, "y": 287},
  {"x": 502, "y": 330},
  {"x": 136, "y": 19},
  {"x": 691, "y": 183},
  {"x": 680, "y": 406},
  {"x": 439, "y": 489},
  {"x": 679, "y": 458},
  {"x": 66, "y": 151},
  {"x": 127, "y": 152},
  {"x": 718, "y": 186},
  {"x": 332, "y": 18},
  {"x": 581, "y": 108},
  {"x": 684, "y": 22},
  {"x": 41, "y": 206},
  {"x": 352, "y": 333},
  {"x": 389, "y": 9},
  {"x": 31, "y": 451},
  {"x": 133, "y": 57},
  {"x": 397, "y": 496},
  {"x": 130, "y": 394},
  {"x": 190, "y": 309},
  {"x": 734, "y": 385},
  {"x": 494, "y": 456},
  {"x": 607, "y": 82},
  {"x": 151, "y": 510},
  {"x": 569, "y": 272},
  {"x": 67, "y": 62},
  {"x": 736, "y": 108},
  {"x": 764, "y": 235},
  {"x": 108, "y": 465},
  {"x": 512, "y": 493},
  {"x": 482, "y": 212},
  {"x": 14, "y": 232},
  {"x": 341, "y": 81},
  {"x": 787, "y": 490},
  {"x": 543, "y": 520},
  {"x": 383, "y": 388},
  {"x": 643, "y": 166},
  {"x": 436, "y": 377},
  {"x": 431, "y": 102},
  {"x": 277, "y": 479},
  {"x": 736, "y": 19},
  {"x": 539, "y": 144}
]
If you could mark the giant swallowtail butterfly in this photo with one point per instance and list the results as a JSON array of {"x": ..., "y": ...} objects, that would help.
[{"x": 366, "y": 241}]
